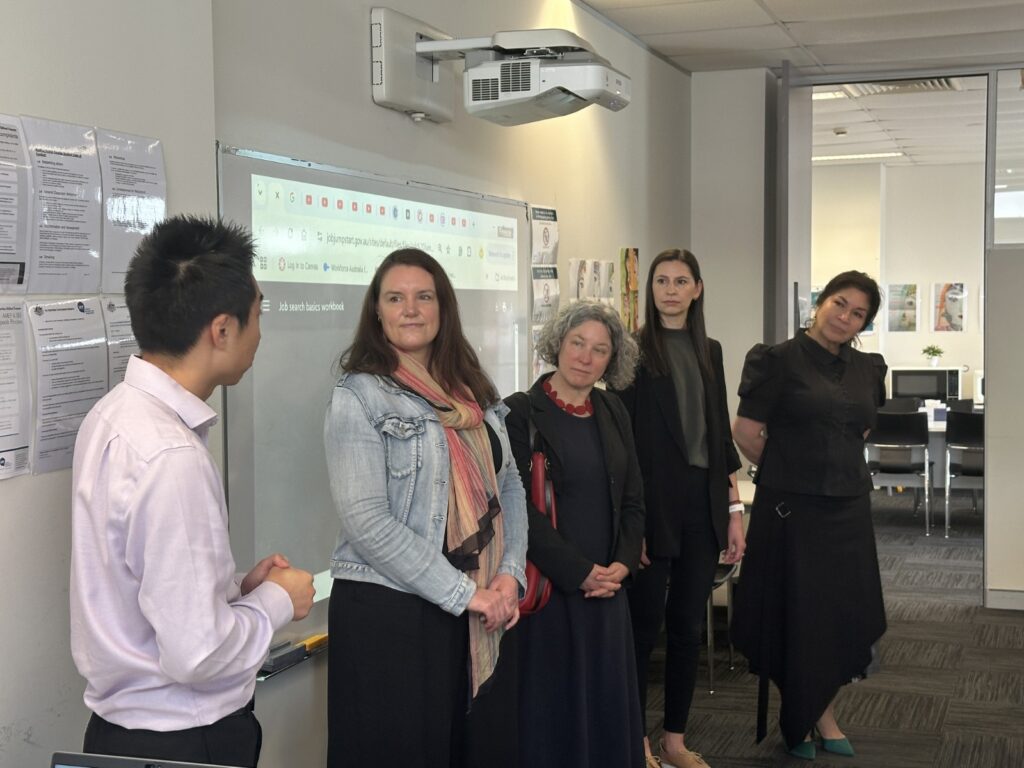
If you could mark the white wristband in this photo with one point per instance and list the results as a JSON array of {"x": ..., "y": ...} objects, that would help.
[{"x": 737, "y": 506}]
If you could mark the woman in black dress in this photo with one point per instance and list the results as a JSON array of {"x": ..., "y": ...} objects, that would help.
[
  {"x": 681, "y": 426},
  {"x": 809, "y": 607},
  {"x": 578, "y": 697}
]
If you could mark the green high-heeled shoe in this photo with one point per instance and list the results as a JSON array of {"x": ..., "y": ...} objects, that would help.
[
  {"x": 836, "y": 746},
  {"x": 805, "y": 750}
]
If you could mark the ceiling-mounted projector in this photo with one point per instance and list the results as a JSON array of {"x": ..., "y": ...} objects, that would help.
[
  {"x": 520, "y": 77},
  {"x": 510, "y": 78}
]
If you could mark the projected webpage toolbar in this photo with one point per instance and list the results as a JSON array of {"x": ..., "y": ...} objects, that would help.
[{"x": 309, "y": 233}]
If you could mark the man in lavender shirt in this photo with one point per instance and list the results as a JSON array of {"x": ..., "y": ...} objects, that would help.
[{"x": 167, "y": 636}]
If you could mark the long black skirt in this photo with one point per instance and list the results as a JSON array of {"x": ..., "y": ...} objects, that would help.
[
  {"x": 578, "y": 690},
  {"x": 809, "y": 605},
  {"x": 398, "y": 687}
]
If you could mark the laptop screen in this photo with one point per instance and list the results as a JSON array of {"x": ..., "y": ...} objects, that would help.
[{"x": 76, "y": 760}]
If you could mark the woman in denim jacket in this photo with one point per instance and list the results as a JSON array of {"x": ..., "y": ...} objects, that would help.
[{"x": 430, "y": 559}]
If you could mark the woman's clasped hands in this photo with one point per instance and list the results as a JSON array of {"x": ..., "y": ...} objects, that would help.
[
  {"x": 498, "y": 604},
  {"x": 604, "y": 581}
]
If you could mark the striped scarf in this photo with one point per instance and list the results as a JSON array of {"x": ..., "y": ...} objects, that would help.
[{"x": 474, "y": 531}]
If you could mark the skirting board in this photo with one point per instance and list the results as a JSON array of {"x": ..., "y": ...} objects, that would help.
[{"x": 1005, "y": 599}]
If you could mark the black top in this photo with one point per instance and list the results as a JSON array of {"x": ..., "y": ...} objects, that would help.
[
  {"x": 816, "y": 406},
  {"x": 686, "y": 378},
  {"x": 584, "y": 507}
]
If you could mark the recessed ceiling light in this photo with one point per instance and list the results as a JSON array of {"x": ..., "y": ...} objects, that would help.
[
  {"x": 1001, "y": 186},
  {"x": 863, "y": 156},
  {"x": 827, "y": 95}
]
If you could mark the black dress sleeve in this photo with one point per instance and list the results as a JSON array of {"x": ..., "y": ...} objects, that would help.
[
  {"x": 556, "y": 558},
  {"x": 760, "y": 384}
]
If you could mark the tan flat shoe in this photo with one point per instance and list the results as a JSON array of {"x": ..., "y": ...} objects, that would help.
[{"x": 681, "y": 758}]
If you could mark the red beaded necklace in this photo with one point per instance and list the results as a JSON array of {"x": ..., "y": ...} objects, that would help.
[{"x": 576, "y": 410}]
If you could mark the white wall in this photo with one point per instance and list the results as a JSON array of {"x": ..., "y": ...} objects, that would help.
[
  {"x": 148, "y": 72},
  {"x": 846, "y": 221},
  {"x": 846, "y": 226},
  {"x": 933, "y": 232},
  {"x": 728, "y": 193},
  {"x": 1004, "y": 415}
]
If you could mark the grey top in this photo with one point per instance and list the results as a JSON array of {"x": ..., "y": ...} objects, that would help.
[{"x": 685, "y": 372}]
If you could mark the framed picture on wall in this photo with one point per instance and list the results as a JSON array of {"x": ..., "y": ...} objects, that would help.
[
  {"x": 950, "y": 303},
  {"x": 813, "y": 307},
  {"x": 902, "y": 307}
]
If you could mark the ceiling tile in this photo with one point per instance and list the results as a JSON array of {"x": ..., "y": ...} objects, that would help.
[
  {"x": 690, "y": 17},
  {"x": 823, "y": 10},
  {"x": 709, "y": 62},
  {"x": 910, "y": 52},
  {"x": 761, "y": 38},
  {"x": 911, "y": 26},
  {"x": 603, "y": 6}
]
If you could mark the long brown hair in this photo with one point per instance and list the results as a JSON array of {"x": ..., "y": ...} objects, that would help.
[
  {"x": 453, "y": 363},
  {"x": 651, "y": 334}
]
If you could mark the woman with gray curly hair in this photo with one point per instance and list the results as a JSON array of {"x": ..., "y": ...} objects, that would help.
[{"x": 579, "y": 703}]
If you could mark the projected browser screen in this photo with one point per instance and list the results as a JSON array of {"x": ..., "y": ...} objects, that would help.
[{"x": 309, "y": 233}]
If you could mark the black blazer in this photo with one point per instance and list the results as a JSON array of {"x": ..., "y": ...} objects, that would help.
[
  {"x": 557, "y": 558},
  {"x": 661, "y": 448}
]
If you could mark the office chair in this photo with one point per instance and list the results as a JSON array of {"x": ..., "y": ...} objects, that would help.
[
  {"x": 961, "y": 405},
  {"x": 965, "y": 435},
  {"x": 901, "y": 405},
  {"x": 897, "y": 454},
  {"x": 724, "y": 575}
]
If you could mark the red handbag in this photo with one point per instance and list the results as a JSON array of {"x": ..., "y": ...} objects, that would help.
[{"x": 542, "y": 494}]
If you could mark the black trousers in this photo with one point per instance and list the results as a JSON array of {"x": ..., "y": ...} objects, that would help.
[
  {"x": 398, "y": 686},
  {"x": 233, "y": 740},
  {"x": 688, "y": 577}
]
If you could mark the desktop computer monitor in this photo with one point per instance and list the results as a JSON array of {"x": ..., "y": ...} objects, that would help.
[{"x": 979, "y": 387}]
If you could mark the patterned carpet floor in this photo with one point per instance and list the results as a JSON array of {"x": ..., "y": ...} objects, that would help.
[{"x": 950, "y": 693}]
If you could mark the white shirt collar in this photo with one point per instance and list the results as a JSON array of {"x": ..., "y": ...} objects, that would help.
[{"x": 146, "y": 377}]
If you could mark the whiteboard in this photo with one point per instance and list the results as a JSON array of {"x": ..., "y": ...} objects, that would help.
[{"x": 320, "y": 232}]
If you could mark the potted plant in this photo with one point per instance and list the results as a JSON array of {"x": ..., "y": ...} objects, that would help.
[{"x": 933, "y": 353}]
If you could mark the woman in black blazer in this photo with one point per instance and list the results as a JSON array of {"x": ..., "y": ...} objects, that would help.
[
  {"x": 688, "y": 462},
  {"x": 579, "y": 702}
]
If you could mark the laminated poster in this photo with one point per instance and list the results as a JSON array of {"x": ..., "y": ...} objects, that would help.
[
  {"x": 15, "y": 206},
  {"x": 66, "y": 233},
  {"x": 15, "y": 396},
  {"x": 134, "y": 199},
  {"x": 71, "y": 374}
]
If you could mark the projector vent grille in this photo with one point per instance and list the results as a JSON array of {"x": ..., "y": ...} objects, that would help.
[
  {"x": 515, "y": 76},
  {"x": 485, "y": 89}
]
